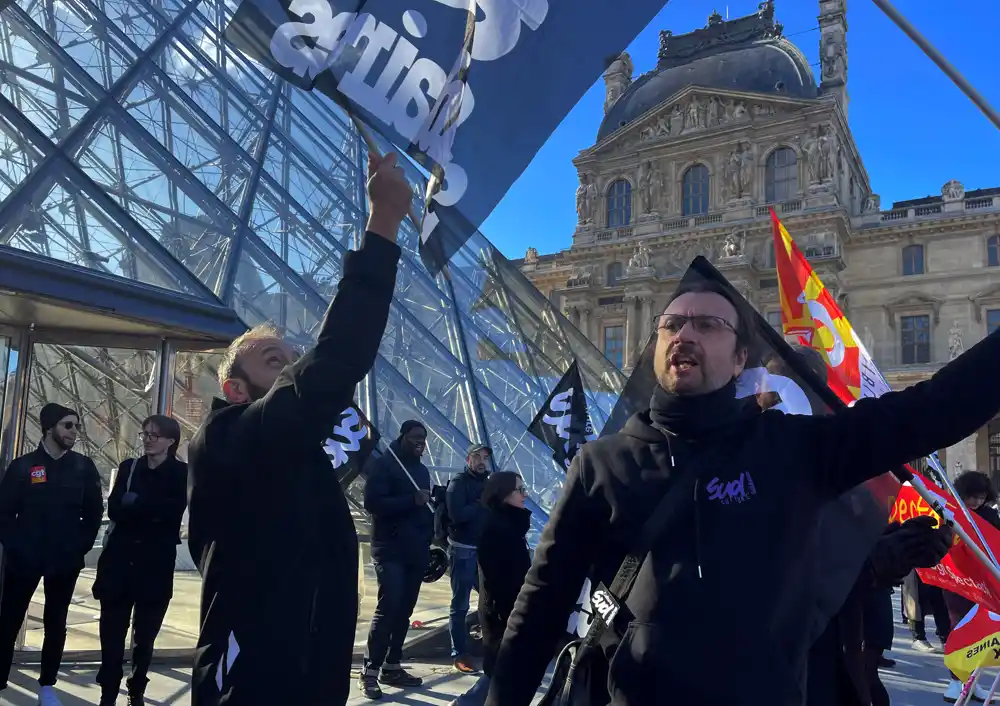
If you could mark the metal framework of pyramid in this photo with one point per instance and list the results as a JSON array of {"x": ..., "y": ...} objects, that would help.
[{"x": 135, "y": 143}]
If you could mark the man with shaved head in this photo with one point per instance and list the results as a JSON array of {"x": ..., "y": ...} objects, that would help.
[
  {"x": 720, "y": 611},
  {"x": 270, "y": 528}
]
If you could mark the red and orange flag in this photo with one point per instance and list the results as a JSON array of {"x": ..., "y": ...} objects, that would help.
[{"x": 809, "y": 312}]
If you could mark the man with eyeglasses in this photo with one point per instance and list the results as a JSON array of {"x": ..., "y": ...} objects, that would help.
[
  {"x": 51, "y": 505},
  {"x": 720, "y": 611}
]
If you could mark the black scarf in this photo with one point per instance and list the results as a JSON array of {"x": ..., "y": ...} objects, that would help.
[{"x": 694, "y": 416}]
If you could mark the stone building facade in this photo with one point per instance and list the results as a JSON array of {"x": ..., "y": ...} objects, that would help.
[{"x": 690, "y": 157}]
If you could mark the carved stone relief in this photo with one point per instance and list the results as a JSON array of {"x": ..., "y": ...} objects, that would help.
[
  {"x": 699, "y": 113},
  {"x": 953, "y": 191},
  {"x": 873, "y": 203},
  {"x": 955, "y": 345},
  {"x": 734, "y": 245},
  {"x": 819, "y": 149},
  {"x": 586, "y": 199},
  {"x": 738, "y": 171},
  {"x": 531, "y": 257}
]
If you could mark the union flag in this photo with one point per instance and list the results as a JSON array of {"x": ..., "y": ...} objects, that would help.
[
  {"x": 810, "y": 313},
  {"x": 974, "y": 643}
]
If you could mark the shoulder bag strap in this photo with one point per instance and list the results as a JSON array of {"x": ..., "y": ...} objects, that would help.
[{"x": 607, "y": 601}]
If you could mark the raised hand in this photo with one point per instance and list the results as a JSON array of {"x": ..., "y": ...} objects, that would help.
[{"x": 390, "y": 194}]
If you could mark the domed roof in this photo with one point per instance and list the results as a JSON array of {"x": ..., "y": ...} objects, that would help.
[{"x": 747, "y": 54}]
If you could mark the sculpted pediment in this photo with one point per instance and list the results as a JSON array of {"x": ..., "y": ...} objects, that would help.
[
  {"x": 695, "y": 110},
  {"x": 910, "y": 301}
]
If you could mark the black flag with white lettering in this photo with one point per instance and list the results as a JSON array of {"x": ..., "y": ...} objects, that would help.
[
  {"x": 471, "y": 101},
  {"x": 350, "y": 444},
  {"x": 563, "y": 422},
  {"x": 793, "y": 380}
]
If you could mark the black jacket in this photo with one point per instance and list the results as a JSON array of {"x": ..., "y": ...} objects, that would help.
[
  {"x": 138, "y": 559},
  {"x": 401, "y": 529},
  {"x": 465, "y": 513},
  {"x": 503, "y": 559},
  {"x": 683, "y": 635},
  {"x": 50, "y": 511},
  {"x": 269, "y": 526}
]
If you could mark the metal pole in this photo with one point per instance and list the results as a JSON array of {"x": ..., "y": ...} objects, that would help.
[
  {"x": 947, "y": 485},
  {"x": 427, "y": 505},
  {"x": 893, "y": 14}
]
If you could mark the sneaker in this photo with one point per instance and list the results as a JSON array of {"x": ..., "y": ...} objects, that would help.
[
  {"x": 954, "y": 691},
  {"x": 924, "y": 646},
  {"x": 399, "y": 677},
  {"x": 368, "y": 681},
  {"x": 465, "y": 665},
  {"x": 47, "y": 697}
]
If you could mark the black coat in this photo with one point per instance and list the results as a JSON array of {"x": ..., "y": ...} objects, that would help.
[
  {"x": 466, "y": 514},
  {"x": 50, "y": 511},
  {"x": 761, "y": 482},
  {"x": 401, "y": 529},
  {"x": 269, "y": 525},
  {"x": 504, "y": 559},
  {"x": 137, "y": 563}
]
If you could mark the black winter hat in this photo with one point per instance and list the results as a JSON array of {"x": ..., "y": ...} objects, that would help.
[
  {"x": 409, "y": 425},
  {"x": 52, "y": 413}
]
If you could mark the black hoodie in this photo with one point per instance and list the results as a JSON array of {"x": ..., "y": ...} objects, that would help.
[{"x": 719, "y": 613}]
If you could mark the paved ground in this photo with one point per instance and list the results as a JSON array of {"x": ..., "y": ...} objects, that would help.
[{"x": 917, "y": 680}]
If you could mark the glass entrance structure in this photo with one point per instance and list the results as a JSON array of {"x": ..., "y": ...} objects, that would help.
[{"x": 159, "y": 193}]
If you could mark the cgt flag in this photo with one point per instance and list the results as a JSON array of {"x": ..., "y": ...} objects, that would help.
[
  {"x": 775, "y": 376},
  {"x": 470, "y": 89},
  {"x": 351, "y": 443},
  {"x": 564, "y": 422}
]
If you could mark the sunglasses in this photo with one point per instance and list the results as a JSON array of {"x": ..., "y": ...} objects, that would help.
[{"x": 71, "y": 425}]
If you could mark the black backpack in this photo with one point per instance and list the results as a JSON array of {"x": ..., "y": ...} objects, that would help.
[{"x": 442, "y": 522}]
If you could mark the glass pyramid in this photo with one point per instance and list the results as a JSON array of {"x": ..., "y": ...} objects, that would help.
[{"x": 136, "y": 144}]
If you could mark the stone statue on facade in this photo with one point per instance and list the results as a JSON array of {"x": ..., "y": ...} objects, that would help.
[
  {"x": 868, "y": 340},
  {"x": 834, "y": 59},
  {"x": 955, "y": 345},
  {"x": 531, "y": 257},
  {"x": 873, "y": 204},
  {"x": 693, "y": 120},
  {"x": 645, "y": 187},
  {"x": 676, "y": 120},
  {"x": 640, "y": 259},
  {"x": 733, "y": 245},
  {"x": 586, "y": 196},
  {"x": 818, "y": 153},
  {"x": 739, "y": 171},
  {"x": 953, "y": 191}
]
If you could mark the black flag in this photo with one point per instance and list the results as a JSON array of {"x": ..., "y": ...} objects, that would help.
[
  {"x": 563, "y": 422},
  {"x": 777, "y": 376},
  {"x": 471, "y": 101},
  {"x": 351, "y": 443}
]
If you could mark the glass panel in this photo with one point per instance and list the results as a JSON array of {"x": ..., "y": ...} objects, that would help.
[
  {"x": 51, "y": 95},
  {"x": 94, "y": 44},
  {"x": 196, "y": 228},
  {"x": 18, "y": 158},
  {"x": 112, "y": 389},
  {"x": 8, "y": 366},
  {"x": 67, "y": 224}
]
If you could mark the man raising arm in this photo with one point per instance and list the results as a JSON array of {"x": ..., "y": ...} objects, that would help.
[{"x": 270, "y": 528}]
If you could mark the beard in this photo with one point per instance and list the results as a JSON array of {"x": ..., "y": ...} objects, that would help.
[{"x": 63, "y": 444}]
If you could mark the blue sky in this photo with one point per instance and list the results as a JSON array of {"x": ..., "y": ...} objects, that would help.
[{"x": 915, "y": 130}]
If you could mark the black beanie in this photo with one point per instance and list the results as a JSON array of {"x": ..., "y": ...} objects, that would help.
[
  {"x": 52, "y": 413},
  {"x": 408, "y": 425}
]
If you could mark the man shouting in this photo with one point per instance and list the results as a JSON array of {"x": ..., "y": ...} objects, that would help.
[{"x": 270, "y": 528}]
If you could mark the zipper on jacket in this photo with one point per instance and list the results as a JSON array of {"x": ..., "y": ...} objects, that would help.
[{"x": 697, "y": 529}]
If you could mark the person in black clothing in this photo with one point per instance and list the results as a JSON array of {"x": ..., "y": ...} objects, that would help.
[
  {"x": 402, "y": 530},
  {"x": 844, "y": 660},
  {"x": 136, "y": 570},
  {"x": 51, "y": 505},
  {"x": 467, "y": 516},
  {"x": 757, "y": 481},
  {"x": 504, "y": 559},
  {"x": 269, "y": 526}
]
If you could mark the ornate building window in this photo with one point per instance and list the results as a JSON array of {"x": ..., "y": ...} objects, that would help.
[
  {"x": 915, "y": 337},
  {"x": 614, "y": 345},
  {"x": 694, "y": 187},
  {"x": 614, "y": 273},
  {"x": 781, "y": 176},
  {"x": 774, "y": 318},
  {"x": 913, "y": 260},
  {"x": 992, "y": 320},
  {"x": 993, "y": 251},
  {"x": 619, "y": 203}
]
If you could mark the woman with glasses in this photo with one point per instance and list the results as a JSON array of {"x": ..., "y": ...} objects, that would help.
[
  {"x": 504, "y": 560},
  {"x": 135, "y": 574}
]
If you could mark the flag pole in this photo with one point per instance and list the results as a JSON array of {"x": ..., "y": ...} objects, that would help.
[
  {"x": 934, "y": 55},
  {"x": 934, "y": 502},
  {"x": 427, "y": 504},
  {"x": 947, "y": 484}
]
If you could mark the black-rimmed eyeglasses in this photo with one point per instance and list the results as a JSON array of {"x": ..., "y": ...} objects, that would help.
[{"x": 703, "y": 324}]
